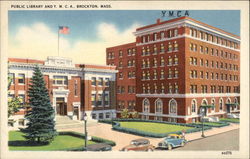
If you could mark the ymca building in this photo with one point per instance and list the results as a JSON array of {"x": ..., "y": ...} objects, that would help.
[
  {"x": 174, "y": 67},
  {"x": 73, "y": 88}
]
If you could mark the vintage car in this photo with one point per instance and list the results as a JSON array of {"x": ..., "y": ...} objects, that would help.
[
  {"x": 171, "y": 141},
  {"x": 139, "y": 145},
  {"x": 99, "y": 147},
  {"x": 234, "y": 116}
]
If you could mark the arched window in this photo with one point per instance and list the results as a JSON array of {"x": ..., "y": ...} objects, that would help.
[
  {"x": 213, "y": 103},
  {"x": 221, "y": 104},
  {"x": 204, "y": 102},
  {"x": 146, "y": 106},
  {"x": 229, "y": 102},
  {"x": 173, "y": 106},
  {"x": 193, "y": 106},
  {"x": 158, "y": 106},
  {"x": 236, "y": 102}
]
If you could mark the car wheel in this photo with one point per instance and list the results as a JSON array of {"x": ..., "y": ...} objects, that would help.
[
  {"x": 182, "y": 143},
  {"x": 170, "y": 147}
]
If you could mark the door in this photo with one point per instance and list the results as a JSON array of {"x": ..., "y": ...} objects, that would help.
[
  {"x": 61, "y": 106},
  {"x": 76, "y": 112}
]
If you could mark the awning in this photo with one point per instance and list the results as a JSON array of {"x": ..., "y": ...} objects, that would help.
[
  {"x": 207, "y": 106},
  {"x": 232, "y": 104}
]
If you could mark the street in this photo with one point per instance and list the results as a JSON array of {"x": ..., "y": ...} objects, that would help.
[{"x": 225, "y": 141}]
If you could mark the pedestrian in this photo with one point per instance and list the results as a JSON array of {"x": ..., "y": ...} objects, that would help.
[{"x": 183, "y": 134}]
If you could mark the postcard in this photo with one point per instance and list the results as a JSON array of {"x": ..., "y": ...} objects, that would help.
[{"x": 128, "y": 79}]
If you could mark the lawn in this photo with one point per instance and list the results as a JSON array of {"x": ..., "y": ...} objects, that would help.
[
  {"x": 154, "y": 127},
  {"x": 17, "y": 142},
  {"x": 230, "y": 119}
]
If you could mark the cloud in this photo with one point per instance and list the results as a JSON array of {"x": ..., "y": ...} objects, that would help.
[{"x": 38, "y": 41}]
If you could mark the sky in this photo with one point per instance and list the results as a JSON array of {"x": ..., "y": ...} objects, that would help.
[{"x": 34, "y": 34}]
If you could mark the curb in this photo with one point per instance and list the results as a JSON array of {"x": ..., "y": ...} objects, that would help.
[{"x": 210, "y": 135}]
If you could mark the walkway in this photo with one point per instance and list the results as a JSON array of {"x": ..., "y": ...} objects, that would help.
[{"x": 123, "y": 139}]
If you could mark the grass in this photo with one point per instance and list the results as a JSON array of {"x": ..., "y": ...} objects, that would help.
[
  {"x": 154, "y": 127},
  {"x": 230, "y": 119},
  {"x": 18, "y": 142}
]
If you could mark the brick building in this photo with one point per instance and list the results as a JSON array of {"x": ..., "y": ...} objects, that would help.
[
  {"x": 73, "y": 88},
  {"x": 181, "y": 64}
]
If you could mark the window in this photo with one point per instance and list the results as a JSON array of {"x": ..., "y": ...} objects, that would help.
[
  {"x": 173, "y": 106},
  {"x": 148, "y": 75},
  {"x": 75, "y": 88},
  {"x": 193, "y": 106},
  {"x": 169, "y": 60},
  {"x": 176, "y": 73},
  {"x": 201, "y": 49},
  {"x": 212, "y": 52},
  {"x": 169, "y": 46},
  {"x": 162, "y": 61},
  {"x": 21, "y": 78},
  {"x": 100, "y": 81},
  {"x": 162, "y": 88},
  {"x": 120, "y": 53},
  {"x": 146, "y": 106},
  {"x": 206, "y": 50},
  {"x": 221, "y": 104},
  {"x": 99, "y": 100},
  {"x": 155, "y": 50},
  {"x": 162, "y": 35},
  {"x": 169, "y": 73},
  {"x": 158, "y": 106},
  {"x": 93, "y": 116},
  {"x": 155, "y": 36},
  {"x": 201, "y": 62},
  {"x": 129, "y": 51},
  {"x": 60, "y": 80},
  {"x": 175, "y": 45},
  {"x": 155, "y": 62},
  {"x": 106, "y": 81},
  {"x": 100, "y": 115},
  {"x": 170, "y": 87},
  {"x": 155, "y": 88},
  {"x": 175, "y": 32},
  {"x": 162, "y": 74},
  {"x": 155, "y": 74},
  {"x": 175, "y": 60},
  {"x": 120, "y": 64},
  {"x": 162, "y": 48},
  {"x": 12, "y": 78},
  {"x": 193, "y": 88},
  {"x": 93, "y": 99},
  {"x": 106, "y": 98},
  {"x": 120, "y": 75},
  {"x": 176, "y": 88}
]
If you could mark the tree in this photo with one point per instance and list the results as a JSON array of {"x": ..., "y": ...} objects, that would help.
[
  {"x": 14, "y": 104},
  {"x": 40, "y": 115},
  {"x": 125, "y": 114}
]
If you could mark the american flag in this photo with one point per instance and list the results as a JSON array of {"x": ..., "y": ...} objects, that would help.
[{"x": 63, "y": 30}]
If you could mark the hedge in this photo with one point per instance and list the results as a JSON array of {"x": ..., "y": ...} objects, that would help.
[
  {"x": 117, "y": 127},
  {"x": 229, "y": 121},
  {"x": 222, "y": 124},
  {"x": 80, "y": 135}
]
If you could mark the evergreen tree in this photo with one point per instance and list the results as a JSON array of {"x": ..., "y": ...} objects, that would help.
[{"x": 40, "y": 115}]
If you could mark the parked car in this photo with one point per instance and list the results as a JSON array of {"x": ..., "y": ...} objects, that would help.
[
  {"x": 230, "y": 115},
  {"x": 139, "y": 145},
  {"x": 171, "y": 141},
  {"x": 99, "y": 147},
  {"x": 211, "y": 119}
]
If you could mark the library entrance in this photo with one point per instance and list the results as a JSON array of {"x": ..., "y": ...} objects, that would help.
[{"x": 61, "y": 106}]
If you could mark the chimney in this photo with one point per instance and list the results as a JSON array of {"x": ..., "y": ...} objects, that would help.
[{"x": 158, "y": 21}]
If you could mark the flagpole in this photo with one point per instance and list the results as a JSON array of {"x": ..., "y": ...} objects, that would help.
[{"x": 58, "y": 41}]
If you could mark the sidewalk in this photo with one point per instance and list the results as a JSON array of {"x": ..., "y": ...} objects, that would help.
[{"x": 213, "y": 131}]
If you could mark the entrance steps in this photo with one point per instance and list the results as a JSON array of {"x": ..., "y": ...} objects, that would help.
[{"x": 64, "y": 122}]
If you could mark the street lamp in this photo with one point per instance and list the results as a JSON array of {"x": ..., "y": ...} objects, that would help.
[
  {"x": 85, "y": 130},
  {"x": 202, "y": 112}
]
